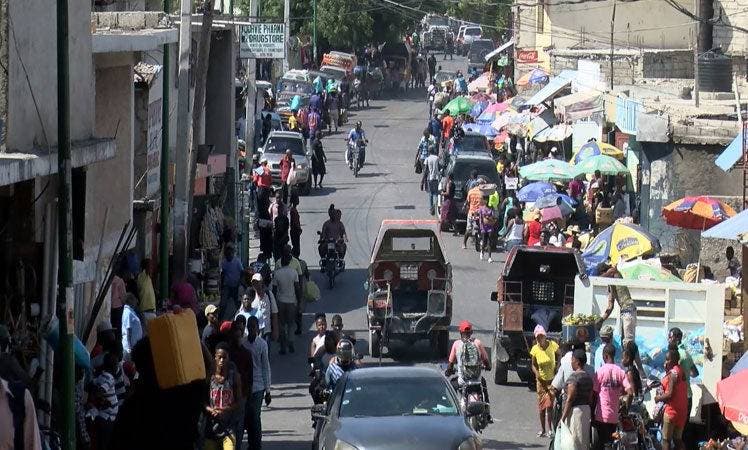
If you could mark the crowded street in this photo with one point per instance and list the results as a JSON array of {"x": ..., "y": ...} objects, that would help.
[{"x": 387, "y": 188}]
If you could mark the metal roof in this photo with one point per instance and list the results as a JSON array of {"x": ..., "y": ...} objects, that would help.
[{"x": 554, "y": 86}]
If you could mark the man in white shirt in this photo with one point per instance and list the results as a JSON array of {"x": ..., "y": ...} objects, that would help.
[
  {"x": 132, "y": 329},
  {"x": 287, "y": 287},
  {"x": 431, "y": 165},
  {"x": 265, "y": 308},
  {"x": 260, "y": 383}
]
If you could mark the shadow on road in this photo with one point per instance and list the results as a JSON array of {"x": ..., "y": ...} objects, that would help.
[{"x": 503, "y": 445}]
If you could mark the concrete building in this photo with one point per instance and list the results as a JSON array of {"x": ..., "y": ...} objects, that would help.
[{"x": 548, "y": 33}]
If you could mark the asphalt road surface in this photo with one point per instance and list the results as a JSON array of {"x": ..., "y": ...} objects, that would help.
[{"x": 387, "y": 188}]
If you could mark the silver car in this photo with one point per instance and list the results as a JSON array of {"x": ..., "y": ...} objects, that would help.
[
  {"x": 394, "y": 408},
  {"x": 275, "y": 147}
]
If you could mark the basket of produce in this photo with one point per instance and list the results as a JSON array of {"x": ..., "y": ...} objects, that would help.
[{"x": 570, "y": 323}]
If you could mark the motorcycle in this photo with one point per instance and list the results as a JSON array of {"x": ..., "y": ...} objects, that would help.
[
  {"x": 472, "y": 401},
  {"x": 331, "y": 264},
  {"x": 635, "y": 429},
  {"x": 358, "y": 156}
]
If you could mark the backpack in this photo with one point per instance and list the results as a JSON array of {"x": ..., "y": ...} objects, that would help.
[
  {"x": 17, "y": 404},
  {"x": 470, "y": 360}
]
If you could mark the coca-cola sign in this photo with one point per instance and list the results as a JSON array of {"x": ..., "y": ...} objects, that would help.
[{"x": 527, "y": 56}]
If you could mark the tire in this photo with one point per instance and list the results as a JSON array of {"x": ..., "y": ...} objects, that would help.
[
  {"x": 501, "y": 372},
  {"x": 330, "y": 270},
  {"x": 375, "y": 344}
]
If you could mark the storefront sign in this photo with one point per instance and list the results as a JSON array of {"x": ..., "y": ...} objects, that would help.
[
  {"x": 263, "y": 40},
  {"x": 527, "y": 56}
]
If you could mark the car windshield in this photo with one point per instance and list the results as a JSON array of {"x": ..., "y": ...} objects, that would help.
[
  {"x": 279, "y": 144},
  {"x": 388, "y": 397},
  {"x": 486, "y": 168},
  {"x": 473, "y": 31},
  {"x": 296, "y": 86},
  {"x": 473, "y": 143}
]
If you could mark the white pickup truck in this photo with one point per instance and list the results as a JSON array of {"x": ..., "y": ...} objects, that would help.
[{"x": 661, "y": 306}]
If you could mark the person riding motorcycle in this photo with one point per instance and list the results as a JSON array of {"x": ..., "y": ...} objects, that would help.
[
  {"x": 469, "y": 355},
  {"x": 355, "y": 135},
  {"x": 342, "y": 362},
  {"x": 333, "y": 230}
]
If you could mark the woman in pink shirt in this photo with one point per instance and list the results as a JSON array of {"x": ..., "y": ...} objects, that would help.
[{"x": 609, "y": 384}]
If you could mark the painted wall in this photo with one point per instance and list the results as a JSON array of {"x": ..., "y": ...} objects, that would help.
[
  {"x": 672, "y": 171},
  {"x": 32, "y": 32},
  {"x": 110, "y": 183}
]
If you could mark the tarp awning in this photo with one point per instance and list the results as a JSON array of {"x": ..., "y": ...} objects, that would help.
[
  {"x": 731, "y": 154},
  {"x": 579, "y": 105},
  {"x": 730, "y": 228},
  {"x": 495, "y": 53},
  {"x": 556, "y": 133},
  {"x": 554, "y": 86},
  {"x": 541, "y": 123}
]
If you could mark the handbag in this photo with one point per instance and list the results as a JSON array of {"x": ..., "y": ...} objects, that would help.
[
  {"x": 291, "y": 180},
  {"x": 563, "y": 440},
  {"x": 418, "y": 166}
]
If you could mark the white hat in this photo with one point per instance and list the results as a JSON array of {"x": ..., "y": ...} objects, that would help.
[
  {"x": 257, "y": 277},
  {"x": 554, "y": 149}
]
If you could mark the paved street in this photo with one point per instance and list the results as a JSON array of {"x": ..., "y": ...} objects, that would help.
[{"x": 387, "y": 188}]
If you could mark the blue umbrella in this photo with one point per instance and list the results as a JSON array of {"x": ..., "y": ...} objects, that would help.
[
  {"x": 478, "y": 108},
  {"x": 563, "y": 201},
  {"x": 534, "y": 191},
  {"x": 741, "y": 365},
  {"x": 482, "y": 128}
]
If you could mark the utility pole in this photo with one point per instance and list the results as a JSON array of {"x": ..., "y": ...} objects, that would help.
[
  {"x": 612, "y": 48},
  {"x": 287, "y": 31},
  {"x": 65, "y": 230},
  {"x": 314, "y": 30},
  {"x": 163, "y": 241},
  {"x": 184, "y": 134},
  {"x": 696, "y": 11}
]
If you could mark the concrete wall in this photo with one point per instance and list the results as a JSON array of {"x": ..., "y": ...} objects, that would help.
[
  {"x": 731, "y": 12},
  {"x": 32, "y": 31},
  {"x": 672, "y": 171},
  {"x": 641, "y": 24},
  {"x": 110, "y": 183},
  {"x": 219, "y": 98}
]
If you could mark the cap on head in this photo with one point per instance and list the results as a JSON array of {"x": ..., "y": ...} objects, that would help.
[
  {"x": 210, "y": 309},
  {"x": 539, "y": 330},
  {"x": 465, "y": 327},
  {"x": 606, "y": 332},
  {"x": 226, "y": 326},
  {"x": 257, "y": 277}
]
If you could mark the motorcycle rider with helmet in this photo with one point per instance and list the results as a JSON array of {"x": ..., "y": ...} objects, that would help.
[
  {"x": 469, "y": 355},
  {"x": 355, "y": 135},
  {"x": 333, "y": 230},
  {"x": 342, "y": 362}
]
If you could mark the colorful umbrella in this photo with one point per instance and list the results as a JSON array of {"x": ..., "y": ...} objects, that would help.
[
  {"x": 534, "y": 191},
  {"x": 549, "y": 214},
  {"x": 642, "y": 270},
  {"x": 459, "y": 105},
  {"x": 697, "y": 213},
  {"x": 478, "y": 108},
  {"x": 481, "y": 97},
  {"x": 483, "y": 129},
  {"x": 562, "y": 201},
  {"x": 604, "y": 163},
  {"x": 502, "y": 120},
  {"x": 620, "y": 241},
  {"x": 594, "y": 148},
  {"x": 480, "y": 83},
  {"x": 546, "y": 170},
  {"x": 492, "y": 111},
  {"x": 732, "y": 395}
]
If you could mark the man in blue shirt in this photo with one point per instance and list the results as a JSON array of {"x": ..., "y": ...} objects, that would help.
[
  {"x": 231, "y": 274},
  {"x": 354, "y": 136},
  {"x": 435, "y": 127},
  {"x": 340, "y": 364}
]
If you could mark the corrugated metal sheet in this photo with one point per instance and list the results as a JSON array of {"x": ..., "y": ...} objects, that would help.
[
  {"x": 731, "y": 155},
  {"x": 627, "y": 113}
]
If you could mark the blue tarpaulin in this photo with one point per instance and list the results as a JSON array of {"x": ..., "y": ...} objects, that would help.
[
  {"x": 732, "y": 154},
  {"x": 553, "y": 87},
  {"x": 730, "y": 228}
]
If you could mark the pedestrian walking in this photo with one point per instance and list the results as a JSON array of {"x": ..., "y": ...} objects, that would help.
[
  {"x": 685, "y": 362},
  {"x": 448, "y": 210},
  {"x": 295, "y": 224},
  {"x": 225, "y": 393},
  {"x": 286, "y": 164},
  {"x": 261, "y": 380},
  {"x": 487, "y": 223},
  {"x": 318, "y": 160},
  {"x": 543, "y": 355},
  {"x": 231, "y": 273},
  {"x": 265, "y": 308},
  {"x": 281, "y": 225},
  {"x": 241, "y": 357},
  {"x": 432, "y": 175},
  {"x": 287, "y": 288},
  {"x": 431, "y": 61},
  {"x": 576, "y": 413},
  {"x": 515, "y": 229},
  {"x": 211, "y": 314}
]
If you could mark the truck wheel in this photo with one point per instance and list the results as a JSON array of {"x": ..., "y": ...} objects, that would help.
[
  {"x": 374, "y": 344},
  {"x": 501, "y": 372}
]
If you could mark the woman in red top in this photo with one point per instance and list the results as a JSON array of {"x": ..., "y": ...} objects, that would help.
[
  {"x": 532, "y": 230},
  {"x": 675, "y": 397}
]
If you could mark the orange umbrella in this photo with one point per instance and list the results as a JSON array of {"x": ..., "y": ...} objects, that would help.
[{"x": 697, "y": 213}]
